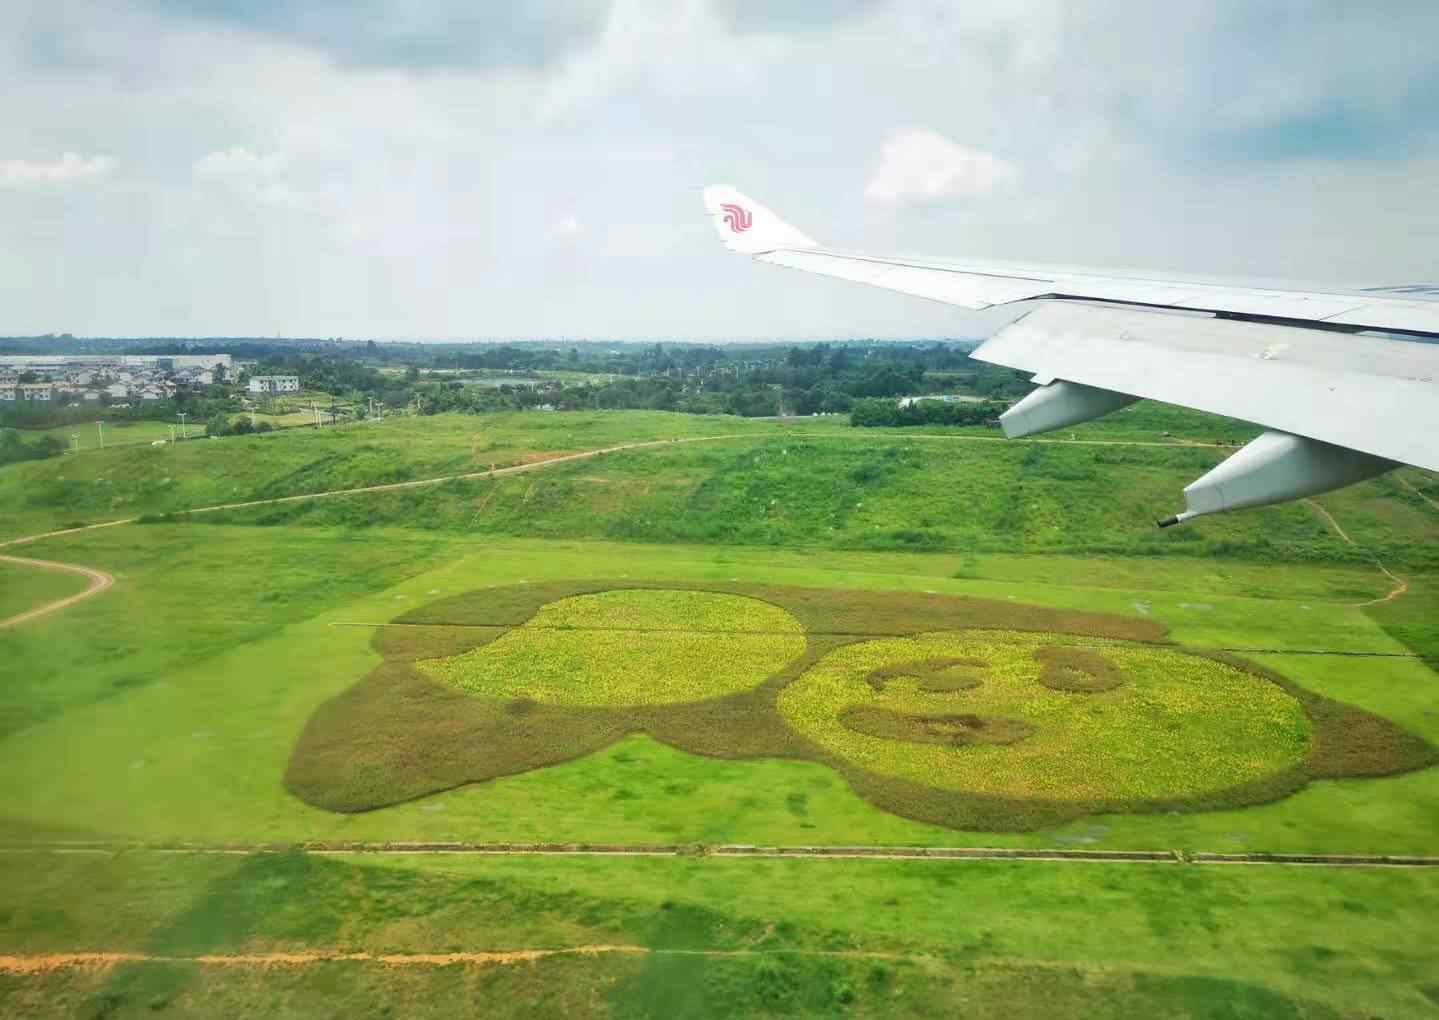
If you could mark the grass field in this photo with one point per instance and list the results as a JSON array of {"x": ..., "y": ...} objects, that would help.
[
  {"x": 842, "y": 940},
  {"x": 814, "y": 483},
  {"x": 171, "y": 706},
  {"x": 41, "y": 495},
  {"x": 289, "y": 419},
  {"x": 860, "y": 489},
  {"x": 116, "y": 433}
]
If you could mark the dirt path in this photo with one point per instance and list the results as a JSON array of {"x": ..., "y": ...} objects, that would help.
[
  {"x": 1401, "y": 585},
  {"x": 99, "y": 581},
  {"x": 727, "y": 850},
  {"x": 44, "y": 963},
  {"x": 1405, "y": 483}
]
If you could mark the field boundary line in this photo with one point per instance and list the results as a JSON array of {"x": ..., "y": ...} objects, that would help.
[{"x": 727, "y": 850}]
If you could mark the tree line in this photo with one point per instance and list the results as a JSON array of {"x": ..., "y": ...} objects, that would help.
[{"x": 888, "y": 413}]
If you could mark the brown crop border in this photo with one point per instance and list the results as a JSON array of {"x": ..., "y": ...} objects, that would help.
[{"x": 397, "y": 735}]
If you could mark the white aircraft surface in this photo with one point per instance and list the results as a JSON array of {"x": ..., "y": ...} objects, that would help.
[{"x": 1339, "y": 403}]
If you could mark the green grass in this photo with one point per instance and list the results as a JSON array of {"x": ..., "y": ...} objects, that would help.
[
  {"x": 138, "y": 479},
  {"x": 867, "y": 489},
  {"x": 116, "y": 433},
  {"x": 1413, "y": 618},
  {"x": 1175, "y": 942},
  {"x": 23, "y": 588},
  {"x": 811, "y": 483},
  {"x": 176, "y": 604}
]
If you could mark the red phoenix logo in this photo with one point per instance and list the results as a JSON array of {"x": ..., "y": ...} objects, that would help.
[{"x": 737, "y": 217}]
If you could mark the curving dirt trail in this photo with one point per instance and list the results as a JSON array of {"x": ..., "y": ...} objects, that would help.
[
  {"x": 99, "y": 581},
  {"x": 1401, "y": 585}
]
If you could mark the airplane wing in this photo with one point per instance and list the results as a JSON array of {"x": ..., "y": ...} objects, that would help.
[{"x": 1339, "y": 403}]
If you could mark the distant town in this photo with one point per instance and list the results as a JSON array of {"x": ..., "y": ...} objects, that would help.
[
  {"x": 55, "y": 389},
  {"x": 107, "y": 379}
]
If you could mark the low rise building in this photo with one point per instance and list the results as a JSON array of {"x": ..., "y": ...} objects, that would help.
[
  {"x": 35, "y": 391},
  {"x": 274, "y": 384}
]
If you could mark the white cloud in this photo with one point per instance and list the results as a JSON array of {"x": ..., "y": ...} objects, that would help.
[
  {"x": 566, "y": 228},
  {"x": 338, "y": 192},
  {"x": 239, "y": 170},
  {"x": 678, "y": 48},
  {"x": 238, "y": 164},
  {"x": 923, "y": 165},
  {"x": 67, "y": 170}
]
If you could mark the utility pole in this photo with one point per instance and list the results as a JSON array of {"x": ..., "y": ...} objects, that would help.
[
  {"x": 172, "y": 435},
  {"x": 183, "y": 433},
  {"x": 75, "y": 438},
  {"x": 100, "y": 427}
]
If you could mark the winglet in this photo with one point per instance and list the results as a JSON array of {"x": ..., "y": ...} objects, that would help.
[{"x": 748, "y": 227}]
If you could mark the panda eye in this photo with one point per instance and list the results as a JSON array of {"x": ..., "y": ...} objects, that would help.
[
  {"x": 1078, "y": 670},
  {"x": 934, "y": 676}
]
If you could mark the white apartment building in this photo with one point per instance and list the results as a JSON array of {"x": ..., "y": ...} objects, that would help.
[
  {"x": 35, "y": 391},
  {"x": 274, "y": 384}
]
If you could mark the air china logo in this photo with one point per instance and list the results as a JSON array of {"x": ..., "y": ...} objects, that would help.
[{"x": 737, "y": 217}]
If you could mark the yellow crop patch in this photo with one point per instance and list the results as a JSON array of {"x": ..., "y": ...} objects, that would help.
[
  {"x": 1176, "y": 725},
  {"x": 630, "y": 647}
]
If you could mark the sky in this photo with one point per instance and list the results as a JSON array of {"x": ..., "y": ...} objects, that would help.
[{"x": 463, "y": 169}]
